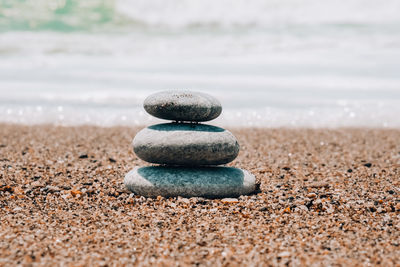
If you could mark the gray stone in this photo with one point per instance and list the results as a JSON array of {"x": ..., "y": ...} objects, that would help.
[
  {"x": 185, "y": 144},
  {"x": 211, "y": 182},
  {"x": 183, "y": 106}
]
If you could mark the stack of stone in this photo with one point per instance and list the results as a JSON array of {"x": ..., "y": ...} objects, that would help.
[{"x": 188, "y": 152}]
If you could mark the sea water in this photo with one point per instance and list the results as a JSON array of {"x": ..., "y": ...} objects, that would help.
[{"x": 273, "y": 63}]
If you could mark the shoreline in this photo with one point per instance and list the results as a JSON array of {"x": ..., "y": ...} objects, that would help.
[
  {"x": 327, "y": 196},
  {"x": 217, "y": 124}
]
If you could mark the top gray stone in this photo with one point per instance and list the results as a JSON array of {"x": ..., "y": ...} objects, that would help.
[{"x": 183, "y": 106}]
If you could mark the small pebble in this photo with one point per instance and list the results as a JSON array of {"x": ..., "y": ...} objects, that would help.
[
  {"x": 312, "y": 195},
  {"x": 229, "y": 200},
  {"x": 52, "y": 189}
]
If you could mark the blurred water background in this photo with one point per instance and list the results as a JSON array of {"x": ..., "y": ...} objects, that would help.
[{"x": 272, "y": 63}]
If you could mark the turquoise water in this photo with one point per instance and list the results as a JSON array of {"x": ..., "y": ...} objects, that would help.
[
  {"x": 271, "y": 63},
  {"x": 59, "y": 16}
]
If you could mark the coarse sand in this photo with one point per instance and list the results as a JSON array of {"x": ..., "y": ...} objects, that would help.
[{"x": 326, "y": 197}]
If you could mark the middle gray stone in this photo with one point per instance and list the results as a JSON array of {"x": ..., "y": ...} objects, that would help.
[{"x": 185, "y": 144}]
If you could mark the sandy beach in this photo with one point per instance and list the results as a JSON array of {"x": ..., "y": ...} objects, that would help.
[{"x": 327, "y": 197}]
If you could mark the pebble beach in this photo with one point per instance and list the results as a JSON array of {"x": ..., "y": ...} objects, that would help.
[{"x": 326, "y": 197}]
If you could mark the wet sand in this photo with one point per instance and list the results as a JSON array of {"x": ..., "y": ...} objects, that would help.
[{"x": 327, "y": 197}]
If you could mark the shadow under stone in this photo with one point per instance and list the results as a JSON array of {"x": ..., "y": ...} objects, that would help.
[{"x": 186, "y": 127}]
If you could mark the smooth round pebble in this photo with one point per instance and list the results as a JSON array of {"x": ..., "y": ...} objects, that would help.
[
  {"x": 185, "y": 144},
  {"x": 183, "y": 106},
  {"x": 210, "y": 182}
]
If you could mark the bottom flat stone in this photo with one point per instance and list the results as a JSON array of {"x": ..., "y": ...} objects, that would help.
[{"x": 212, "y": 182}]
